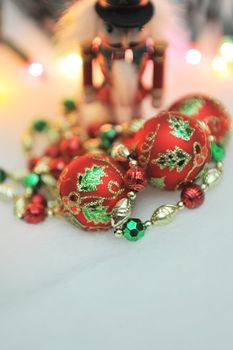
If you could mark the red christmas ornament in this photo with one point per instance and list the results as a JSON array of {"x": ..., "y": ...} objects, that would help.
[
  {"x": 173, "y": 149},
  {"x": 209, "y": 110},
  {"x": 71, "y": 147},
  {"x": 34, "y": 213},
  {"x": 135, "y": 179},
  {"x": 90, "y": 186},
  {"x": 56, "y": 167},
  {"x": 192, "y": 196}
]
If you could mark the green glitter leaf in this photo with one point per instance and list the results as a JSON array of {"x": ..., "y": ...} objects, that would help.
[
  {"x": 191, "y": 106},
  {"x": 88, "y": 182},
  {"x": 96, "y": 212},
  {"x": 173, "y": 160},
  {"x": 181, "y": 128}
]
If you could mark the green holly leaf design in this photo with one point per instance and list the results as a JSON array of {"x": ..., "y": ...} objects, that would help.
[
  {"x": 191, "y": 106},
  {"x": 96, "y": 212},
  {"x": 88, "y": 182},
  {"x": 158, "y": 182},
  {"x": 181, "y": 128},
  {"x": 173, "y": 160}
]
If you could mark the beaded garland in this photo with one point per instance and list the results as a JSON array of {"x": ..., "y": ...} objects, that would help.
[{"x": 93, "y": 178}]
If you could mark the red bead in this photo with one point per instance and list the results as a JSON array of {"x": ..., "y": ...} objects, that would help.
[
  {"x": 56, "y": 167},
  {"x": 71, "y": 147},
  {"x": 53, "y": 151},
  {"x": 32, "y": 162},
  {"x": 192, "y": 196},
  {"x": 135, "y": 179},
  {"x": 34, "y": 213},
  {"x": 38, "y": 199}
]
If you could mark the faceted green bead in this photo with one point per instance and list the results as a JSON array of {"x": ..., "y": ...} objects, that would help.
[
  {"x": 70, "y": 105},
  {"x": 133, "y": 229},
  {"x": 31, "y": 180},
  {"x": 40, "y": 125},
  {"x": 218, "y": 152},
  {"x": 3, "y": 175}
]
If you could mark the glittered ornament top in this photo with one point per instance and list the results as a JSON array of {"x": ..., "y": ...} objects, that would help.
[
  {"x": 209, "y": 110},
  {"x": 90, "y": 186},
  {"x": 173, "y": 149}
]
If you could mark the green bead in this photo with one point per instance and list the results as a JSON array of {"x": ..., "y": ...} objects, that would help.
[
  {"x": 107, "y": 135},
  {"x": 218, "y": 152},
  {"x": 3, "y": 175},
  {"x": 31, "y": 180},
  {"x": 133, "y": 229},
  {"x": 40, "y": 125},
  {"x": 70, "y": 105}
]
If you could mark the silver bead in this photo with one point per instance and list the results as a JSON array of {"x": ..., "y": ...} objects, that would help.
[{"x": 211, "y": 138}]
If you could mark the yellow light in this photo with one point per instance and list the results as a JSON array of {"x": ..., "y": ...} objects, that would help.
[
  {"x": 219, "y": 65},
  {"x": 193, "y": 56},
  {"x": 36, "y": 69},
  {"x": 71, "y": 65},
  {"x": 226, "y": 51},
  {"x": 4, "y": 92}
]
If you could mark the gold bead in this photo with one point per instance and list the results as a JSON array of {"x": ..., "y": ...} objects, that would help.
[
  {"x": 180, "y": 205},
  {"x": 211, "y": 138},
  {"x": 204, "y": 187},
  {"x": 132, "y": 196},
  {"x": 164, "y": 215},
  {"x": 147, "y": 224},
  {"x": 220, "y": 166},
  {"x": 118, "y": 233},
  {"x": 133, "y": 163}
]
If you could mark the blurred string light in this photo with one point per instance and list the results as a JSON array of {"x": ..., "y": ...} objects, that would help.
[
  {"x": 70, "y": 65},
  {"x": 223, "y": 62},
  {"x": 36, "y": 69},
  {"x": 193, "y": 56}
]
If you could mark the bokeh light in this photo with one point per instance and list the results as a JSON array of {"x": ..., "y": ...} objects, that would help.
[{"x": 193, "y": 56}]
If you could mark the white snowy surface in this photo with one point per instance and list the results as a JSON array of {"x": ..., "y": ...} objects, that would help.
[{"x": 61, "y": 288}]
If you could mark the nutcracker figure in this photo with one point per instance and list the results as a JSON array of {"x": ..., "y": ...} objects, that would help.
[{"x": 126, "y": 38}]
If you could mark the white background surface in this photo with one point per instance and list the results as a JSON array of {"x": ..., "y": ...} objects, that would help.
[{"x": 61, "y": 288}]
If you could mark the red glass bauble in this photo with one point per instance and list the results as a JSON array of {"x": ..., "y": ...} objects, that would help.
[
  {"x": 56, "y": 167},
  {"x": 35, "y": 213},
  {"x": 173, "y": 149},
  {"x": 192, "y": 196},
  {"x": 135, "y": 179},
  {"x": 209, "y": 110},
  {"x": 90, "y": 186}
]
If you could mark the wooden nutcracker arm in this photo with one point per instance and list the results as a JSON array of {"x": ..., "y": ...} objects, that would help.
[
  {"x": 88, "y": 55},
  {"x": 158, "y": 58}
]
